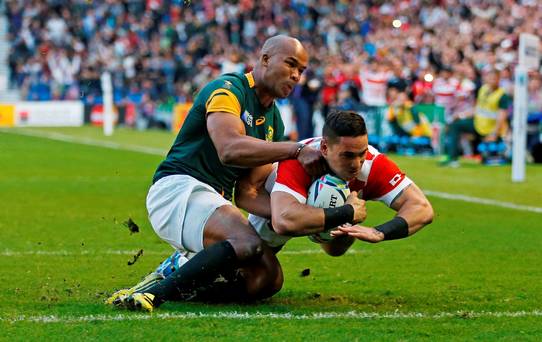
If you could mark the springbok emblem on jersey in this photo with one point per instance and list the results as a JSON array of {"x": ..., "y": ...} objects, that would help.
[{"x": 269, "y": 135}]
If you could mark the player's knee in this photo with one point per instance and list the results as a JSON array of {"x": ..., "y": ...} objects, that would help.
[
  {"x": 266, "y": 285},
  {"x": 247, "y": 247},
  {"x": 269, "y": 291},
  {"x": 276, "y": 284}
]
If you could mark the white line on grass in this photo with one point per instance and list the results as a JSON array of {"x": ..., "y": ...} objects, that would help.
[
  {"x": 88, "y": 141},
  {"x": 157, "y": 151},
  {"x": 486, "y": 201},
  {"x": 11, "y": 253},
  {"x": 264, "y": 315}
]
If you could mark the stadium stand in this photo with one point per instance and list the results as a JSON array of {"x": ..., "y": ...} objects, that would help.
[{"x": 363, "y": 53}]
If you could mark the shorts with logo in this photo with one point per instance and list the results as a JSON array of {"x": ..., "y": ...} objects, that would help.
[{"x": 179, "y": 207}]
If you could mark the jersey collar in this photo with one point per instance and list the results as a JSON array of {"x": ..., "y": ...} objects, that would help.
[{"x": 250, "y": 79}]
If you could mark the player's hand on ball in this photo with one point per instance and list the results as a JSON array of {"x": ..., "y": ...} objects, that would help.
[
  {"x": 313, "y": 161},
  {"x": 367, "y": 234},
  {"x": 360, "y": 211}
]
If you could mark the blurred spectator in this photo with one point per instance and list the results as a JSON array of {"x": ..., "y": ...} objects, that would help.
[
  {"x": 329, "y": 90},
  {"x": 464, "y": 103},
  {"x": 346, "y": 99},
  {"x": 534, "y": 119},
  {"x": 405, "y": 120},
  {"x": 303, "y": 98},
  {"x": 445, "y": 88},
  {"x": 490, "y": 118},
  {"x": 374, "y": 80},
  {"x": 159, "y": 49}
]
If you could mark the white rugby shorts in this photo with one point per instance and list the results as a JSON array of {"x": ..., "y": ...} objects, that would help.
[
  {"x": 179, "y": 207},
  {"x": 265, "y": 231}
]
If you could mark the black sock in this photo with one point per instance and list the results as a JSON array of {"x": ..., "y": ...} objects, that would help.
[
  {"x": 226, "y": 288},
  {"x": 199, "y": 271}
]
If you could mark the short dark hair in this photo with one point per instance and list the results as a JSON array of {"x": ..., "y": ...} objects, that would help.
[{"x": 343, "y": 123}]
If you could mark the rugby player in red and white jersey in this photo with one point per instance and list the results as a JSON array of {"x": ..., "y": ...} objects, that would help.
[
  {"x": 283, "y": 192},
  {"x": 370, "y": 173}
]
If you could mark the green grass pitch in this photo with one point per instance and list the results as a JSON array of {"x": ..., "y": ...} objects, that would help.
[{"x": 474, "y": 274}]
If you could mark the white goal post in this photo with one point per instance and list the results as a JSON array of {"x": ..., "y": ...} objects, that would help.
[
  {"x": 107, "y": 91},
  {"x": 529, "y": 58}
]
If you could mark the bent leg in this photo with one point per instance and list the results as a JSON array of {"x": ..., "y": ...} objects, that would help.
[
  {"x": 228, "y": 224},
  {"x": 264, "y": 277},
  {"x": 259, "y": 280},
  {"x": 229, "y": 243}
]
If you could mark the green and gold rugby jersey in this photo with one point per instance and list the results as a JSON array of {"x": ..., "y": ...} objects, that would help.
[{"x": 193, "y": 152}]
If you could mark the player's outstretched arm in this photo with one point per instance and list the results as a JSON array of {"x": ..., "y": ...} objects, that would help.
[
  {"x": 414, "y": 208},
  {"x": 250, "y": 192},
  {"x": 413, "y": 213},
  {"x": 235, "y": 148},
  {"x": 292, "y": 218}
]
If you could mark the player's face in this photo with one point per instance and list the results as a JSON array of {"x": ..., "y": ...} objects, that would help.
[
  {"x": 284, "y": 70},
  {"x": 346, "y": 156}
]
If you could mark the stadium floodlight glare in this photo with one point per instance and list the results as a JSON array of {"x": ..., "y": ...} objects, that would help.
[
  {"x": 397, "y": 23},
  {"x": 428, "y": 77}
]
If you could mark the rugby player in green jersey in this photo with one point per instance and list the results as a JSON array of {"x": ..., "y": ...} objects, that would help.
[{"x": 232, "y": 129}]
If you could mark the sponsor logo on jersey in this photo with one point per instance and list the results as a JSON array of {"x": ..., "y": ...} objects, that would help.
[
  {"x": 260, "y": 120},
  {"x": 247, "y": 118}
]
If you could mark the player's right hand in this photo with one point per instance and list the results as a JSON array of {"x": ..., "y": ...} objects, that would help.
[
  {"x": 313, "y": 161},
  {"x": 360, "y": 211}
]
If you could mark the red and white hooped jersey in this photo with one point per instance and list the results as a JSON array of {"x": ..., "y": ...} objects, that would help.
[
  {"x": 373, "y": 87},
  {"x": 445, "y": 93},
  {"x": 380, "y": 178}
]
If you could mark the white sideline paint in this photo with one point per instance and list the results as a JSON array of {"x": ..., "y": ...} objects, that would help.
[
  {"x": 486, "y": 201},
  {"x": 86, "y": 141},
  {"x": 10, "y": 253},
  {"x": 262, "y": 315},
  {"x": 157, "y": 151}
]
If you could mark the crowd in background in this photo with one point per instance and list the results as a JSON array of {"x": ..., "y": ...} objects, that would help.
[{"x": 370, "y": 54}]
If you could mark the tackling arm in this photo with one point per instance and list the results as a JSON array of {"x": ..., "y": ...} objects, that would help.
[
  {"x": 235, "y": 148},
  {"x": 250, "y": 192}
]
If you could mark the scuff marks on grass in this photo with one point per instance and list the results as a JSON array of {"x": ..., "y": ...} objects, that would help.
[{"x": 135, "y": 258}]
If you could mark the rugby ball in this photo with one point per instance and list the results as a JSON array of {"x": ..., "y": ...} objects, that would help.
[{"x": 328, "y": 191}]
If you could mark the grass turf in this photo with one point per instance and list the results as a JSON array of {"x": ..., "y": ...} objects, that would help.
[{"x": 64, "y": 248}]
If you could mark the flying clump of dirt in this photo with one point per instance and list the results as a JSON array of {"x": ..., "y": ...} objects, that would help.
[{"x": 131, "y": 225}]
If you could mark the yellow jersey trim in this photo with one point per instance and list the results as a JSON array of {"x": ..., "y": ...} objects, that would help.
[
  {"x": 250, "y": 79},
  {"x": 223, "y": 100}
]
